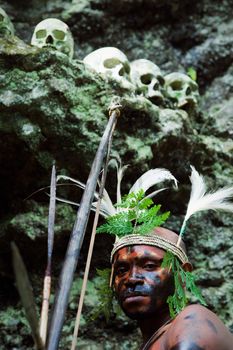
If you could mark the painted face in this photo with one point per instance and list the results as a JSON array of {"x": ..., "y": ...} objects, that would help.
[{"x": 141, "y": 285}]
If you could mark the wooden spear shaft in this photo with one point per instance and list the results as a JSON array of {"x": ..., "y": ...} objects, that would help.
[
  {"x": 91, "y": 247},
  {"x": 77, "y": 235},
  {"x": 47, "y": 279}
]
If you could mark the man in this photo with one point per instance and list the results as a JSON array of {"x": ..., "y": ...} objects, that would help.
[{"x": 142, "y": 287}]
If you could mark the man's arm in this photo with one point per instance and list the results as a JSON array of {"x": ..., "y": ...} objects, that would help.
[{"x": 197, "y": 328}]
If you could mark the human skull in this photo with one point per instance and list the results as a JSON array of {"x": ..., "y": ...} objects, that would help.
[
  {"x": 147, "y": 78},
  {"x": 110, "y": 62},
  {"x": 6, "y": 26},
  {"x": 54, "y": 33},
  {"x": 182, "y": 90}
]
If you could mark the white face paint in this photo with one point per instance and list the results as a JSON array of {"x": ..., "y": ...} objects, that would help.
[
  {"x": 182, "y": 90},
  {"x": 6, "y": 26},
  {"x": 54, "y": 33},
  {"x": 110, "y": 62},
  {"x": 148, "y": 80}
]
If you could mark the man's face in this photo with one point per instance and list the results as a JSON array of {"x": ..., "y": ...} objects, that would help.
[{"x": 141, "y": 285}]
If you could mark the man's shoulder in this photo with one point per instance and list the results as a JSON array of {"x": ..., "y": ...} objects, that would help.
[
  {"x": 193, "y": 312},
  {"x": 196, "y": 327}
]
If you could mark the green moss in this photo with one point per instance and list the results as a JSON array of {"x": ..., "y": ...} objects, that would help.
[
  {"x": 34, "y": 223},
  {"x": 143, "y": 151}
]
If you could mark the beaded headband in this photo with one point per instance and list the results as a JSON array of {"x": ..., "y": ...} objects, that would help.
[{"x": 151, "y": 240}]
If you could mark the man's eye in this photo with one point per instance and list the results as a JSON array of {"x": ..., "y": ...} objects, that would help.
[{"x": 150, "y": 266}]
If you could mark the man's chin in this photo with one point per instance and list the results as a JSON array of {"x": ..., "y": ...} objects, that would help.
[{"x": 137, "y": 315}]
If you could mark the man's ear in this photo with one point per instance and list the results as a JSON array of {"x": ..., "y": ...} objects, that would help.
[{"x": 187, "y": 266}]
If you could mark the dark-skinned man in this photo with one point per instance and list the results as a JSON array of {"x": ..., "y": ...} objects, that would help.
[
  {"x": 151, "y": 270},
  {"x": 142, "y": 287}
]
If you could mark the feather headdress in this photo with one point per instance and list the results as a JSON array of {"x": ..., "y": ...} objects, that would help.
[
  {"x": 201, "y": 200},
  {"x": 144, "y": 183}
]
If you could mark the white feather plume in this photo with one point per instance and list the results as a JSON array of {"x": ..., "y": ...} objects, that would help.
[
  {"x": 151, "y": 178},
  {"x": 147, "y": 180},
  {"x": 200, "y": 200},
  {"x": 106, "y": 206},
  {"x": 120, "y": 173}
]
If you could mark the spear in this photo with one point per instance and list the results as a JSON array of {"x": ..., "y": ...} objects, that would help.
[
  {"x": 47, "y": 278},
  {"x": 77, "y": 235},
  {"x": 91, "y": 247}
]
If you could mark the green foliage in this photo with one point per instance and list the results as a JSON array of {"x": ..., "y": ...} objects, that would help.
[
  {"x": 12, "y": 317},
  {"x": 137, "y": 215},
  {"x": 192, "y": 73},
  {"x": 104, "y": 295},
  {"x": 132, "y": 200},
  {"x": 191, "y": 285},
  {"x": 182, "y": 280},
  {"x": 15, "y": 332}
]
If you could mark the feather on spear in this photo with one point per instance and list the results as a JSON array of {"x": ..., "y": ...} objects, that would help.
[{"x": 201, "y": 200}]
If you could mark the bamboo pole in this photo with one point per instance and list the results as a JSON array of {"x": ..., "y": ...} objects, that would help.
[
  {"x": 91, "y": 247},
  {"x": 47, "y": 279},
  {"x": 77, "y": 236}
]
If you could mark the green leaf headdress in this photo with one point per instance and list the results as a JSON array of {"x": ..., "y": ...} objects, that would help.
[{"x": 135, "y": 213}]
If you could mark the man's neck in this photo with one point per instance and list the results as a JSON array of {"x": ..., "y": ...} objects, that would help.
[{"x": 152, "y": 323}]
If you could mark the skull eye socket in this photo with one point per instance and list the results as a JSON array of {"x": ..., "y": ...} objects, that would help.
[
  {"x": 41, "y": 34},
  {"x": 58, "y": 34},
  {"x": 194, "y": 88},
  {"x": 176, "y": 85},
  {"x": 188, "y": 91},
  {"x": 156, "y": 86},
  {"x": 127, "y": 68},
  {"x": 1, "y": 18},
  {"x": 146, "y": 79},
  {"x": 161, "y": 80},
  {"x": 111, "y": 63},
  {"x": 122, "y": 71}
]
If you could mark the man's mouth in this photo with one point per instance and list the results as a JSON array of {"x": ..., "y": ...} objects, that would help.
[{"x": 133, "y": 295}]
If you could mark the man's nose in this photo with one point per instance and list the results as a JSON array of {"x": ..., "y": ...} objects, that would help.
[{"x": 134, "y": 278}]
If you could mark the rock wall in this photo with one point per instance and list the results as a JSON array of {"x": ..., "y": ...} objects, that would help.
[{"x": 54, "y": 109}]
